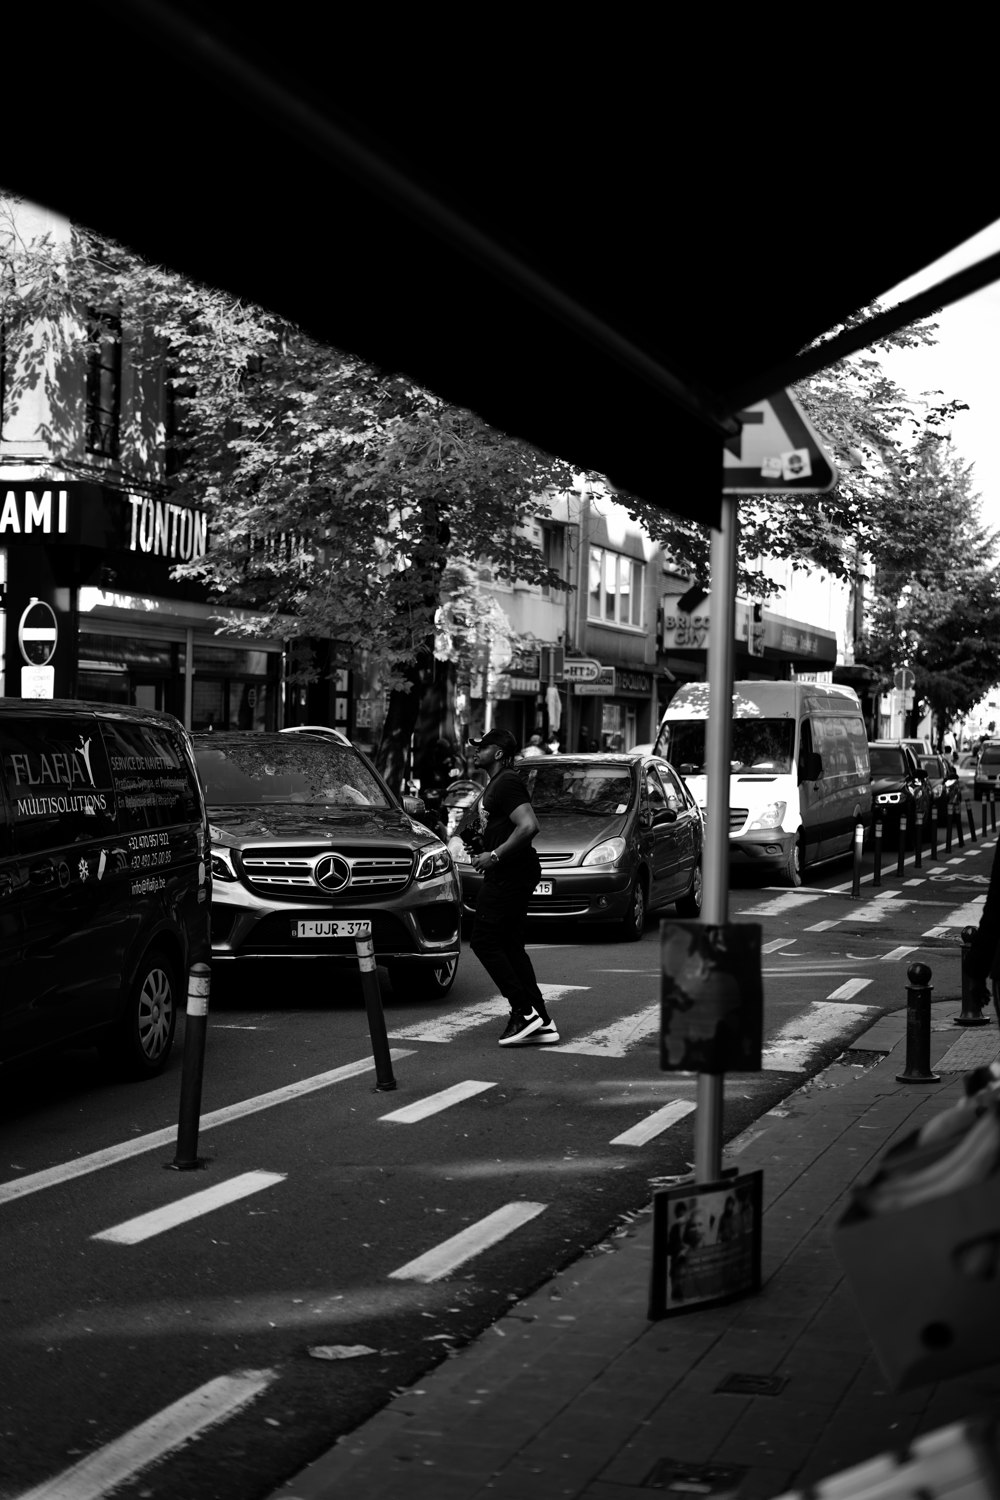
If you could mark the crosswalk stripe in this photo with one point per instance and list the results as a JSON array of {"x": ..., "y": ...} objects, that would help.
[
  {"x": 445, "y": 1028},
  {"x": 616, "y": 1039},
  {"x": 654, "y": 1124},
  {"x": 788, "y": 901},
  {"x": 434, "y": 1103},
  {"x": 849, "y": 990},
  {"x": 792, "y": 1049},
  {"x": 478, "y": 1237},
  {"x": 144, "y": 1226},
  {"x": 894, "y": 954},
  {"x": 776, "y": 943},
  {"x": 95, "y": 1476}
]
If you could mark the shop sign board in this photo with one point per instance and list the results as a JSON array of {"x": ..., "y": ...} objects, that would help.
[
  {"x": 577, "y": 669},
  {"x": 604, "y": 687}
]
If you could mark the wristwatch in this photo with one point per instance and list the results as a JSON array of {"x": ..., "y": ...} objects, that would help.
[{"x": 494, "y": 856}]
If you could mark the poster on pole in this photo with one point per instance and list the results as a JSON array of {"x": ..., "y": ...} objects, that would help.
[{"x": 706, "y": 1244}]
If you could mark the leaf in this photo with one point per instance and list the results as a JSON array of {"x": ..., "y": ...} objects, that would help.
[{"x": 340, "y": 1351}]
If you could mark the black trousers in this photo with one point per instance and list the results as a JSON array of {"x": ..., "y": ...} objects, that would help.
[{"x": 499, "y": 933}]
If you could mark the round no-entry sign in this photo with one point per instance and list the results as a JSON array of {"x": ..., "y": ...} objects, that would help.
[{"x": 37, "y": 633}]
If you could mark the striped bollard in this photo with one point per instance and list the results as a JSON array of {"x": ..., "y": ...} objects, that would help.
[
  {"x": 877, "y": 872},
  {"x": 365, "y": 949},
  {"x": 933, "y": 831},
  {"x": 918, "y": 840},
  {"x": 193, "y": 1071},
  {"x": 972, "y": 821},
  {"x": 901, "y": 842},
  {"x": 859, "y": 843},
  {"x": 993, "y": 810}
]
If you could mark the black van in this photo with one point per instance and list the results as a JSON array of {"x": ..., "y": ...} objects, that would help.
[{"x": 104, "y": 886}]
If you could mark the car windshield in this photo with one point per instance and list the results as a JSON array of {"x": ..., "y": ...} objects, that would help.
[
  {"x": 887, "y": 761},
  {"x": 766, "y": 745},
  {"x": 302, "y": 770},
  {"x": 579, "y": 788},
  {"x": 932, "y": 765},
  {"x": 991, "y": 755}
]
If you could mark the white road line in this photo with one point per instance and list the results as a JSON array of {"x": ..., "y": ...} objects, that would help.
[
  {"x": 787, "y": 901},
  {"x": 792, "y": 1048},
  {"x": 967, "y": 915},
  {"x": 894, "y": 954},
  {"x": 655, "y": 1123},
  {"x": 143, "y": 1227},
  {"x": 66, "y": 1171},
  {"x": 411, "y": 1113},
  {"x": 936, "y": 932},
  {"x": 469, "y": 1242},
  {"x": 96, "y": 1476},
  {"x": 918, "y": 881},
  {"x": 776, "y": 943},
  {"x": 823, "y": 926},
  {"x": 849, "y": 990},
  {"x": 454, "y": 1022},
  {"x": 615, "y": 1040}
]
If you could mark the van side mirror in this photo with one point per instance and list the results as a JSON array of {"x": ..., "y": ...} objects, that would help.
[{"x": 812, "y": 766}]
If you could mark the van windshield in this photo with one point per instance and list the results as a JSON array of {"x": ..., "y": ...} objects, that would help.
[{"x": 764, "y": 745}]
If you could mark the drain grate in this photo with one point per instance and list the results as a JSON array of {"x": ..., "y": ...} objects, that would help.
[
  {"x": 717, "y": 1480},
  {"x": 752, "y": 1385}
]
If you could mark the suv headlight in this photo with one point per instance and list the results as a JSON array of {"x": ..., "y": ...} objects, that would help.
[
  {"x": 433, "y": 860},
  {"x": 222, "y": 864},
  {"x": 770, "y": 816},
  {"x": 608, "y": 853}
]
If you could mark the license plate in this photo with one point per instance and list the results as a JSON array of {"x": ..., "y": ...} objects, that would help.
[
  {"x": 543, "y": 888},
  {"x": 354, "y": 928}
]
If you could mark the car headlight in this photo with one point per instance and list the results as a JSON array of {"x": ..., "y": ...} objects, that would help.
[
  {"x": 222, "y": 864},
  {"x": 608, "y": 853},
  {"x": 433, "y": 860},
  {"x": 770, "y": 816},
  {"x": 887, "y": 797}
]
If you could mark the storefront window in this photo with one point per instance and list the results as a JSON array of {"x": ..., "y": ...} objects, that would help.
[{"x": 235, "y": 687}]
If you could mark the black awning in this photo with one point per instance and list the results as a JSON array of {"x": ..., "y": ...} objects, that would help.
[{"x": 603, "y": 241}]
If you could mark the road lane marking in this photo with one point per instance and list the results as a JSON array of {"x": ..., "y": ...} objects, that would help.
[
  {"x": 433, "y": 1103},
  {"x": 454, "y": 1022},
  {"x": 776, "y": 943},
  {"x": 792, "y": 1049},
  {"x": 615, "y": 1040},
  {"x": 823, "y": 926},
  {"x": 144, "y": 1226},
  {"x": 918, "y": 881},
  {"x": 849, "y": 990},
  {"x": 894, "y": 954},
  {"x": 452, "y": 1253},
  {"x": 66, "y": 1171},
  {"x": 655, "y": 1124},
  {"x": 787, "y": 901},
  {"x": 97, "y": 1475}
]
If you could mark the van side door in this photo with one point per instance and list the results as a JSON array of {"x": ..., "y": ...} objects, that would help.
[{"x": 811, "y": 791}]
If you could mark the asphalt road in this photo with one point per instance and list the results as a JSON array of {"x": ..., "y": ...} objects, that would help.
[{"x": 205, "y": 1333}]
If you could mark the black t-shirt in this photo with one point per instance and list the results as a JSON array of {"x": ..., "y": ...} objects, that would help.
[{"x": 504, "y": 793}]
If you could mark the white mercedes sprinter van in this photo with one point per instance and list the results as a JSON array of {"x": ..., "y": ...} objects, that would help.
[{"x": 800, "y": 781}]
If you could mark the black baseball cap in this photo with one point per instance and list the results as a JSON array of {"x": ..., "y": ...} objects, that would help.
[{"x": 500, "y": 737}]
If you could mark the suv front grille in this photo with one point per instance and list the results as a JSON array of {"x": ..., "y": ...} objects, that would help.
[
  {"x": 292, "y": 872},
  {"x": 737, "y": 817}
]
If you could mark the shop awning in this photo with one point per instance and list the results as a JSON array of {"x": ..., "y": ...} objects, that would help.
[{"x": 606, "y": 238}]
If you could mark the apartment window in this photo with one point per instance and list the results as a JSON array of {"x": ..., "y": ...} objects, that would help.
[
  {"x": 616, "y": 588},
  {"x": 104, "y": 384},
  {"x": 553, "y": 553}
]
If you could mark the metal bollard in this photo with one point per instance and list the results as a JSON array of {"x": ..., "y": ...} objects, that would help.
[
  {"x": 859, "y": 844},
  {"x": 918, "y": 840},
  {"x": 193, "y": 1070},
  {"x": 983, "y": 806},
  {"x": 993, "y": 810},
  {"x": 877, "y": 873},
  {"x": 957, "y": 815},
  {"x": 918, "y": 1028},
  {"x": 932, "y": 831},
  {"x": 947, "y": 841},
  {"x": 901, "y": 851},
  {"x": 972, "y": 821},
  {"x": 384, "y": 1079},
  {"x": 974, "y": 994}
]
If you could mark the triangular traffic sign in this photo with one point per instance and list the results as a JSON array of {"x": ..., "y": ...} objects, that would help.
[{"x": 777, "y": 449}]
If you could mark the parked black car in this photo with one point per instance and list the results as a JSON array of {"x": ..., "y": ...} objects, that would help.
[
  {"x": 943, "y": 782},
  {"x": 987, "y": 777},
  {"x": 619, "y": 835},
  {"x": 307, "y": 841},
  {"x": 899, "y": 785}
]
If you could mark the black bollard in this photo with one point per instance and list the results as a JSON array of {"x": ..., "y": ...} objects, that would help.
[
  {"x": 974, "y": 992},
  {"x": 947, "y": 839},
  {"x": 983, "y": 806},
  {"x": 901, "y": 850},
  {"x": 933, "y": 831},
  {"x": 877, "y": 874},
  {"x": 957, "y": 815},
  {"x": 859, "y": 843},
  {"x": 993, "y": 810},
  {"x": 365, "y": 948},
  {"x": 918, "y": 1027},
  {"x": 918, "y": 840},
  {"x": 972, "y": 821},
  {"x": 192, "y": 1070}
]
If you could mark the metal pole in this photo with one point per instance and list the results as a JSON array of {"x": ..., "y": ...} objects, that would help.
[
  {"x": 365, "y": 949},
  {"x": 918, "y": 1027},
  {"x": 901, "y": 850},
  {"x": 877, "y": 873},
  {"x": 193, "y": 1070},
  {"x": 718, "y": 739},
  {"x": 859, "y": 840}
]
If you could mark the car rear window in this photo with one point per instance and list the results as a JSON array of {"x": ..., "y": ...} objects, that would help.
[
  {"x": 991, "y": 755},
  {"x": 581, "y": 788},
  {"x": 887, "y": 762}
]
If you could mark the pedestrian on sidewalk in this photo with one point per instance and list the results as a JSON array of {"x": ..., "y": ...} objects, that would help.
[
  {"x": 981, "y": 958},
  {"x": 509, "y": 865}
]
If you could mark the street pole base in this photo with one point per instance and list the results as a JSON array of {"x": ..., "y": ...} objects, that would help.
[
  {"x": 964, "y": 1020},
  {"x": 384, "y": 1088},
  {"x": 918, "y": 1077},
  {"x": 198, "y": 1163}
]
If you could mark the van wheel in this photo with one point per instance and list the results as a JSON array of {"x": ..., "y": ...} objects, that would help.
[
  {"x": 422, "y": 981},
  {"x": 140, "y": 1043},
  {"x": 795, "y": 863},
  {"x": 634, "y": 921},
  {"x": 690, "y": 905}
]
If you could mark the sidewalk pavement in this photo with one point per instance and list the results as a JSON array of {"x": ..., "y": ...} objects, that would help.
[{"x": 576, "y": 1393}]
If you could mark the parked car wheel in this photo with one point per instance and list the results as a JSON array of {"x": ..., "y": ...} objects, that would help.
[
  {"x": 690, "y": 905},
  {"x": 140, "y": 1044},
  {"x": 795, "y": 863},
  {"x": 422, "y": 981},
  {"x": 634, "y": 920}
]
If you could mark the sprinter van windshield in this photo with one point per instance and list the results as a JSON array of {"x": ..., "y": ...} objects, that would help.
[{"x": 764, "y": 745}]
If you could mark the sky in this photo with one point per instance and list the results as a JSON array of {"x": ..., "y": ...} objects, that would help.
[{"x": 964, "y": 364}]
